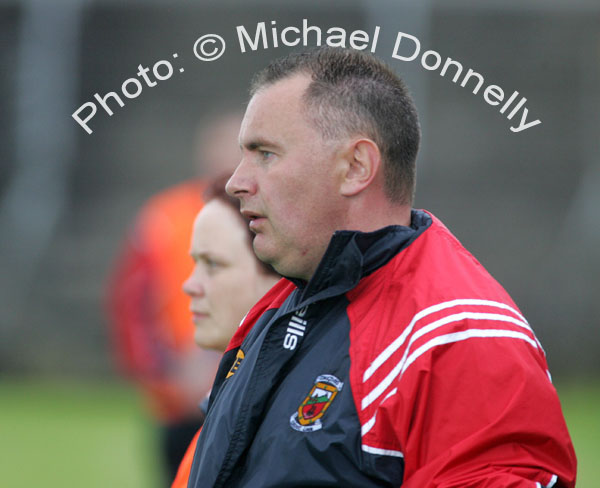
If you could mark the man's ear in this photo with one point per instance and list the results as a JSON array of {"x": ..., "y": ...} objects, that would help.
[{"x": 362, "y": 163}]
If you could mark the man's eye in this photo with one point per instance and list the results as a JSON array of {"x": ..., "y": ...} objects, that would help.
[{"x": 266, "y": 154}]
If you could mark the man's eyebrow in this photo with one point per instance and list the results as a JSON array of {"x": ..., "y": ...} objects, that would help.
[{"x": 254, "y": 144}]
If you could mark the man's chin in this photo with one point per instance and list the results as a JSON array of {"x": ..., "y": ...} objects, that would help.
[
  {"x": 266, "y": 258},
  {"x": 261, "y": 249}
]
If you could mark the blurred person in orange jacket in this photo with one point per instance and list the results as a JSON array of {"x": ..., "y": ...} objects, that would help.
[
  {"x": 152, "y": 334},
  {"x": 227, "y": 280}
]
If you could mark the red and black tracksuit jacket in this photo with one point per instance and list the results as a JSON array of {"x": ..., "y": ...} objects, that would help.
[{"x": 401, "y": 363}]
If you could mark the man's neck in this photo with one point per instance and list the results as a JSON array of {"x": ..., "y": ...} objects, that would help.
[{"x": 373, "y": 217}]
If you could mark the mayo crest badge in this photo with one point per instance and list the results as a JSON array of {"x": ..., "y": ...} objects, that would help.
[{"x": 308, "y": 416}]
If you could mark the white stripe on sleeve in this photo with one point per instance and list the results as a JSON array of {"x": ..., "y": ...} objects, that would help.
[
  {"x": 397, "y": 343},
  {"x": 384, "y": 452},
  {"x": 403, "y": 364}
]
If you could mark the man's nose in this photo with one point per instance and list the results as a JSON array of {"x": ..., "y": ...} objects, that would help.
[{"x": 241, "y": 181}]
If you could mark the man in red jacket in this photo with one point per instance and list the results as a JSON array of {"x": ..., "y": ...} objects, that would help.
[{"x": 389, "y": 356}]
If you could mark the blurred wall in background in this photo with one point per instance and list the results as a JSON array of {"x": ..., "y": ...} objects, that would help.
[{"x": 526, "y": 204}]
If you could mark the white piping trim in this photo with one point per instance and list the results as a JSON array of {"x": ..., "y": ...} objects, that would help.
[
  {"x": 397, "y": 343},
  {"x": 464, "y": 335},
  {"x": 368, "y": 425},
  {"x": 384, "y": 452},
  {"x": 466, "y": 315},
  {"x": 457, "y": 318},
  {"x": 552, "y": 482},
  {"x": 440, "y": 340}
]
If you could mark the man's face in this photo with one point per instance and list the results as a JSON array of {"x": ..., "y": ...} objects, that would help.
[{"x": 288, "y": 180}]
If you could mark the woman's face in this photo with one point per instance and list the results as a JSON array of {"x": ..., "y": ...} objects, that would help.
[{"x": 227, "y": 280}]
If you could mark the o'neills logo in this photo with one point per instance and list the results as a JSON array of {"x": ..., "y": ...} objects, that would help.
[
  {"x": 236, "y": 364},
  {"x": 308, "y": 416}
]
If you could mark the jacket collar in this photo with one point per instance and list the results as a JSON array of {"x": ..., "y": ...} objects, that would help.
[{"x": 352, "y": 255}]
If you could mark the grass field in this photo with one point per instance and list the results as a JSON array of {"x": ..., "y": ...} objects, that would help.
[
  {"x": 71, "y": 435},
  {"x": 74, "y": 435},
  {"x": 581, "y": 405}
]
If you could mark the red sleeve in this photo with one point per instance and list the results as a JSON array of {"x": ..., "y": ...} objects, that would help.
[
  {"x": 455, "y": 387},
  {"x": 185, "y": 467},
  {"x": 466, "y": 401}
]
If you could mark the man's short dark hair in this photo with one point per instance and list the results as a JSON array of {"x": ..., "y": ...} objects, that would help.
[{"x": 354, "y": 93}]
